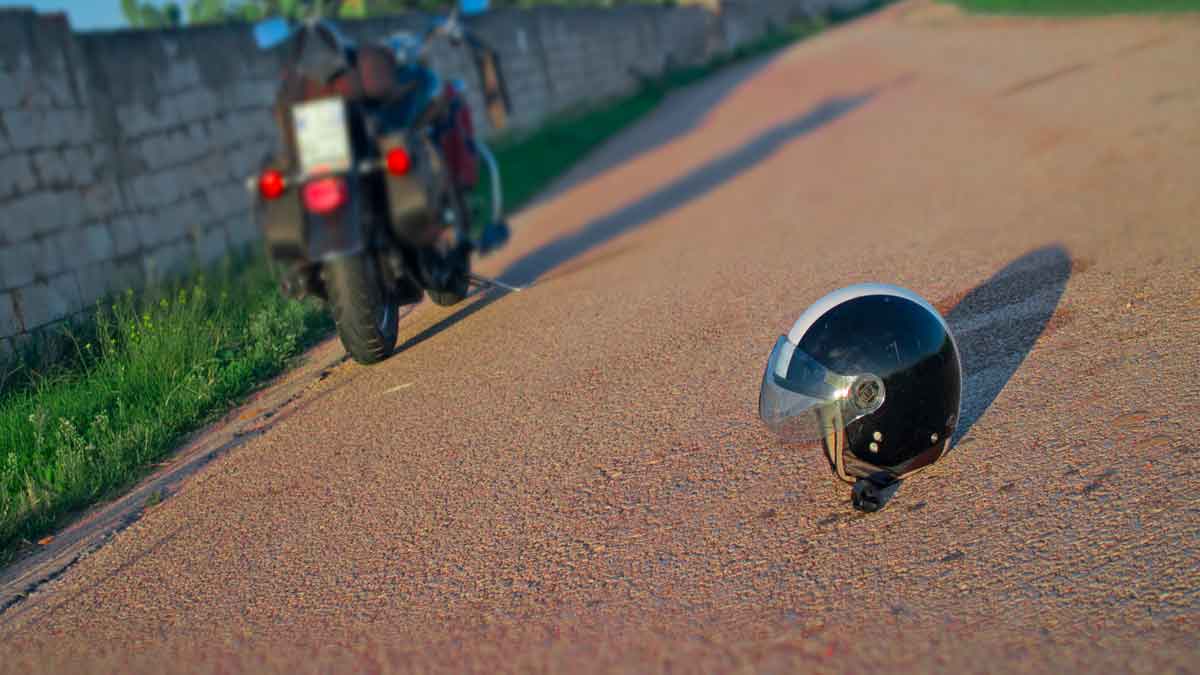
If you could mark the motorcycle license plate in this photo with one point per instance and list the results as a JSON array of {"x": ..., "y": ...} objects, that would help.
[{"x": 322, "y": 136}]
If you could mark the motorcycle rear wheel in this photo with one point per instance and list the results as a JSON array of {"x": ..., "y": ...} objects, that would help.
[{"x": 367, "y": 320}]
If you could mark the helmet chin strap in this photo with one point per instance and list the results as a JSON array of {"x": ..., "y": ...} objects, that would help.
[
  {"x": 833, "y": 437},
  {"x": 870, "y": 492}
]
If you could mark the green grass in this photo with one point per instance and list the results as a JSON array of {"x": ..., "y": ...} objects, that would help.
[
  {"x": 1078, "y": 7},
  {"x": 140, "y": 374},
  {"x": 148, "y": 368}
]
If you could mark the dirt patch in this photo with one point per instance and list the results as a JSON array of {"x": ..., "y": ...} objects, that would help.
[
  {"x": 1045, "y": 140},
  {"x": 1131, "y": 420},
  {"x": 932, "y": 14},
  {"x": 1143, "y": 45},
  {"x": 1174, "y": 95},
  {"x": 1044, "y": 78},
  {"x": 1061, "y": 317}
]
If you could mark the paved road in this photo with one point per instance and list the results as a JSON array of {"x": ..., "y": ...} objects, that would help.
[{"x": 573, "y": 478}]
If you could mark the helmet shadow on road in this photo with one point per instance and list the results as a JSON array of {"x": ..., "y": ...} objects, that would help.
[
  {"x": 670, "y": 197},
  {"x": 997, "y": 324}
]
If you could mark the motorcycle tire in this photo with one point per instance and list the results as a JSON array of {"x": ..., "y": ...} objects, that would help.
[{"x": 368, "y": 323}]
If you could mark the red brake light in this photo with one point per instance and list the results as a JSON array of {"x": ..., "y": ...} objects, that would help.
[
  {"x": 270, "y": 184},
  {"x": 398, "y": 162},
  {"x": 325, "y": 195}
]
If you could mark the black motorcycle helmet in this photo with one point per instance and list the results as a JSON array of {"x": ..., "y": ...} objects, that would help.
[{"x": 873, "y": 372}]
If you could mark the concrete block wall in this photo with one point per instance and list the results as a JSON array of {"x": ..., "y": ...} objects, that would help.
[
  {"x": 123, "y": 154},
  {"x": 56, "y": 193}
]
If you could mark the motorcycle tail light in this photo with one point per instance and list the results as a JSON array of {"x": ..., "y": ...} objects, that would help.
[
  {"x": 271, "y": 184},
  {"x": 325, "y": 195},
  {"x": 398, "y": 162}
]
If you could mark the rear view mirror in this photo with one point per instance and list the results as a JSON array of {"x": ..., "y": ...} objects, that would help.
[
  {"x": 469, "y": 7},
  {"x": 271, "y": 32}
]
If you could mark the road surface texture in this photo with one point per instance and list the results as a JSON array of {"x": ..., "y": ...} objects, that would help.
[{"x": 573, "y": 478}]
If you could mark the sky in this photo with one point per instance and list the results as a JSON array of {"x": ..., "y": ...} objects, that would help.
[{"x": 85, "y": 14}]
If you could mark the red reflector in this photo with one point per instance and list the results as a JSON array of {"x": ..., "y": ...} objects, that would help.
[
  {"x": 398, "y": 162},
  {"x": 325, "y": 195},
  {"x": 270, "y": 184}
]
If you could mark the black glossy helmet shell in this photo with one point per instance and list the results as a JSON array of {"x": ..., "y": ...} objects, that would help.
[{"x": 873, "y": 371}]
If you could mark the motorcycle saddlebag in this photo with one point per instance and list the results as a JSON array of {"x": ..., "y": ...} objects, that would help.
[
  {"x": 282, "y": 222},
  {"x": 411, "y": 196}
]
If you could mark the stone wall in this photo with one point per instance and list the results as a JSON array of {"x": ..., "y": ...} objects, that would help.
[{"x": 123, "y": 154}]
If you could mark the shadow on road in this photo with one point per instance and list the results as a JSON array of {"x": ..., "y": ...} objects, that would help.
[
  {"x": 677, "y": 194},
  {"x": 673, "y": 196},
  {"x": 997, "y": 323},
  {"x": 679, "y": 115}
]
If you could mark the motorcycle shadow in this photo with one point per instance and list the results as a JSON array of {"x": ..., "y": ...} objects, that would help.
[
  {"x": 694, "y": 185},
  {"x": 678, "y": 115}
]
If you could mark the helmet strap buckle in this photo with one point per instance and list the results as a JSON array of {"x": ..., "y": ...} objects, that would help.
[{"x": 872, "y": 493}]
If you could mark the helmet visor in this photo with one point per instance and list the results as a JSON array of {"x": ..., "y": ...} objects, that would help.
[{"x": 801, "y": 400}]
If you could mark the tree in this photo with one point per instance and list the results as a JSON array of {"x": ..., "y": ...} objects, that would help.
[
  {"x": 147, "y": 15},
  {"x": 143, "y": 14},
  {"x": 208, "y": 11}
]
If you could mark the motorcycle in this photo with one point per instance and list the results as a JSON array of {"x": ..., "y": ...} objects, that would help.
[{"x": 367, "y": 205}]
